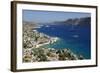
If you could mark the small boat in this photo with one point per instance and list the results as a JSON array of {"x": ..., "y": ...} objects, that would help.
[
  {"x": 47, "y": 26},
  {"x": 75, "y": 36}
]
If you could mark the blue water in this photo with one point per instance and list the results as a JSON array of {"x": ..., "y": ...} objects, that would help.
[{"x": 76, "y": 38}]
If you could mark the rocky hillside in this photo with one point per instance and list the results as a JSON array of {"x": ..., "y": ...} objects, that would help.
[{"x": 76, "y": 21}]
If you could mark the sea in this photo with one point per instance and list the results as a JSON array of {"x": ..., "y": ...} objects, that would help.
[{"x": 74, "y": 37}]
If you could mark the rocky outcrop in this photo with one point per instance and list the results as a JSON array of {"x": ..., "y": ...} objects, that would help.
[{"x": 49, "y": 54}]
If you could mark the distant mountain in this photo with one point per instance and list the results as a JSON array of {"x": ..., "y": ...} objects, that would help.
[
  {"x": 76, "y": 21},
  {"x": 86, "y": 21}
]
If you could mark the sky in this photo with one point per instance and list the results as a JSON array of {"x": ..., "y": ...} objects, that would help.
[{"x": 50, "y": 16}]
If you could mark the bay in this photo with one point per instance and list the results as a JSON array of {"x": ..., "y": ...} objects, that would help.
[{"x": 76, "y": 38}]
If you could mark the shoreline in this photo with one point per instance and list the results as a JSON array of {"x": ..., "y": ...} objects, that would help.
[
  {"x": 33, "y": 40},
  {"x": 49, "y": 42}
]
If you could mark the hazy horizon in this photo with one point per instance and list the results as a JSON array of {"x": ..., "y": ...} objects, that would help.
[{"x": 51, "y": 16}]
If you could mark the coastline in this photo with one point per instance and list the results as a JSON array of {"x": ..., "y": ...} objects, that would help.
[
  {"x": 51, "y": 41},
  {"x": 33, "y": 40}
]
